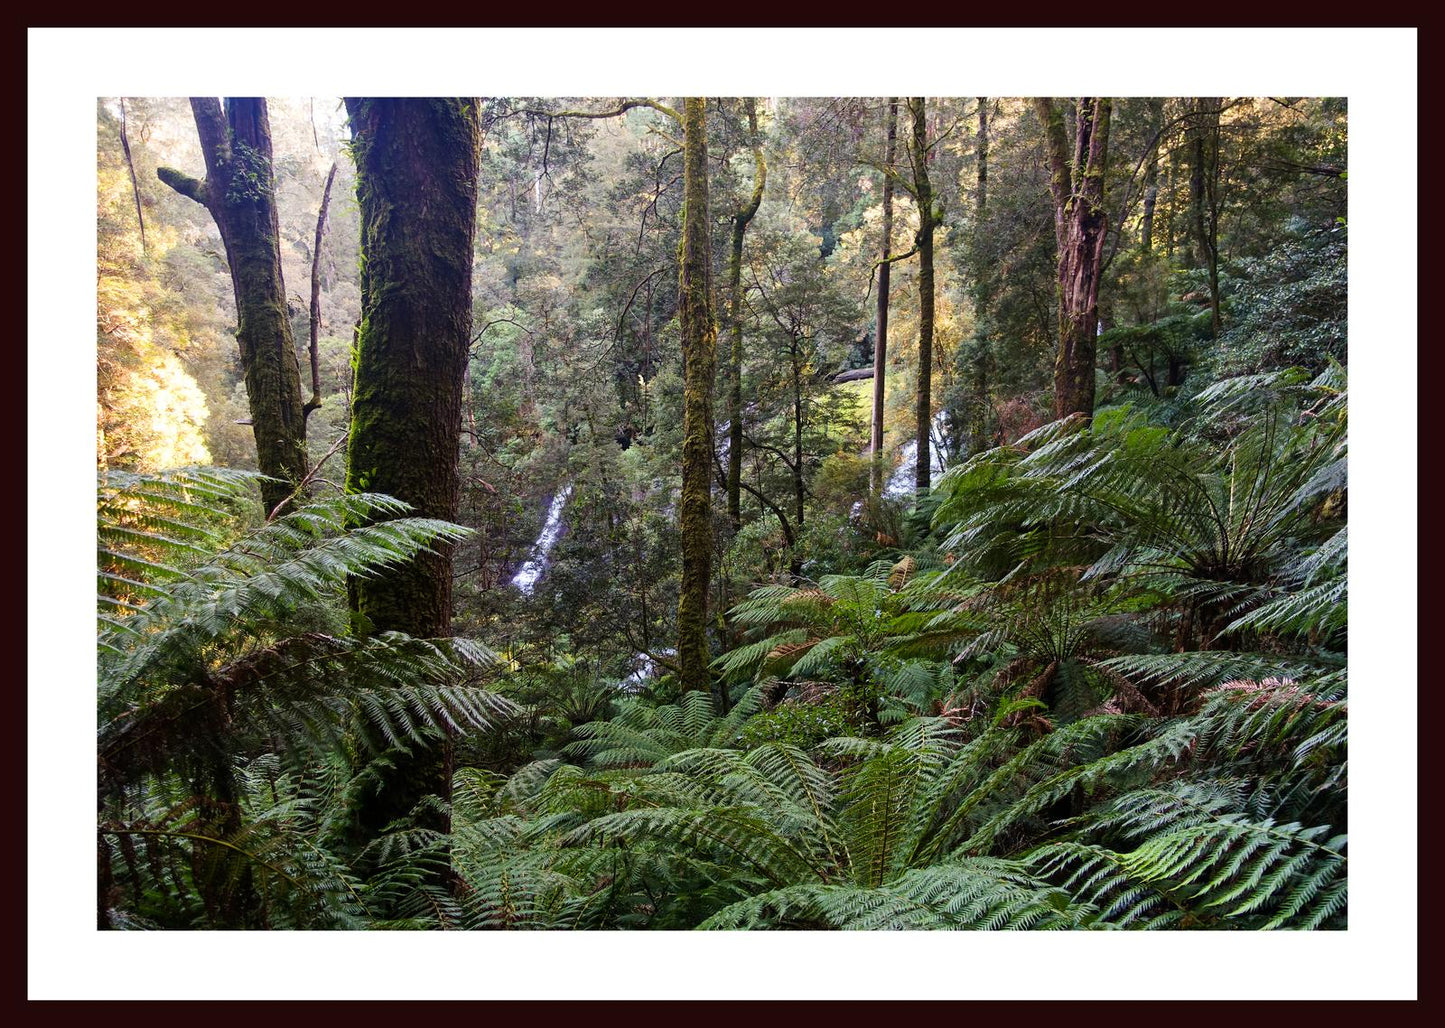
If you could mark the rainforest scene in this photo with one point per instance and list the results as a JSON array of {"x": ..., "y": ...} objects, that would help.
[{"x": 735, "y": 513}]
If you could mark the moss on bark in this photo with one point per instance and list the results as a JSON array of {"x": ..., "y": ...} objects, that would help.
[
  {"x": 417, "y": 163},
  {"x": 699, "y": 358},
  {"x": 1080, "y": 226},
  {"x": 885, "y": 267},
  {"x": 417, "y": 167},
  {"x": 740, "y": 222},
  {"x": 239, "y": 191},
  {"x": 927, "y": 221}
]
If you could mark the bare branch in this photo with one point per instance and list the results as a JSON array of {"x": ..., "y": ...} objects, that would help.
[
  {"x": 315, "y": 400},
  {"x": 309, "y": 475},
  {"x": 134, "y": 185}
]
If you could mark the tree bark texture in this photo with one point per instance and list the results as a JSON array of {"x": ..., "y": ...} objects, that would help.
[
  {"x": 923, "y": 193},
  {"x": 240, "y": 192},
  {"x": 1204, "y": 193},
  {"x": 740, "y": 221},
  {"x": 978, "y": 354},
  {"x": 885, "y": 267},
  {"x": 800, "y": 491},
  {"x": 1151, "y": 176},
  {"x": 699, "y": 362},
  {"x": 1080, "y": 226},
  {"x": 416, "y": 183},
  {"x": 417, "y": 165}
]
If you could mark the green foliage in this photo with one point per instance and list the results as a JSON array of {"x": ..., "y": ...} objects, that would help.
[
  {"x": 642, "y": 734},
  {"x": 1095, "y": 680},
  {"x": 798, "y": 724},
  {"x": 232, "y": 723},
  {"x": 1171, "y": 521},
  {"x": 1174, "y": 823},
  {"x": 250, "y": 174},
  {"x": 1084, "y": 769},
  {"x": 1290, "y": 307},
  {"x": 1215, "y": 864},
  {"x": 836, "y": 631}
]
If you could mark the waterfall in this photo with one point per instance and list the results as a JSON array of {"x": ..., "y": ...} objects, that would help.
[
  {"x": 644, "y": 670},
  {"x": 536, "y": 566},
  {"x": 901, "y": 482}
]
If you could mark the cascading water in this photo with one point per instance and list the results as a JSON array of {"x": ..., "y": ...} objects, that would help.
[
  {"x": 902, "y": 481},
  {"x": 536, "y": 565},
  {"x": 644, "y": 670}
]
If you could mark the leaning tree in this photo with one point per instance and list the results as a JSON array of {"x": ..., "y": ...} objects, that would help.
[{"x": 240, "y": 192}]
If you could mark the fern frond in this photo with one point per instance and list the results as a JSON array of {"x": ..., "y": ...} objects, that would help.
[
  {"x": 1203, "y": 669},
  {"x": 1222, "y": 864},
  {"x": 978, "y": 894}
]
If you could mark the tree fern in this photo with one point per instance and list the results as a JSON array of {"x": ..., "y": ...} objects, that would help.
[
  {"x": 1219, "y": 866},
  {"x": 976, "y": 894},
  {"x": 220, "y": 646},
  {"x": 642, "y": 734}
]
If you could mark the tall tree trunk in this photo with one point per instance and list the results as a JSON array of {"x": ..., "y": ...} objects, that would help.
[
  {"x": 880, "y": 349},
  {"x": 735, "y": 291},
  {"x": 799, "y": 489},
  {"x": 417, "y": 166},
  {"x": 1080, "y": 226},
  {"x": 315, "y": 401},
  {"x": 240, "y": 192},
  {"x": 923, "y": 193},
  {"x": 1151, "y": 176},
  {"x": 699, "y": 363},
  {"x": 979, "y": 358},
  {"x": 1169, "y": 213},
  {"x": 1204, "y": 193}
]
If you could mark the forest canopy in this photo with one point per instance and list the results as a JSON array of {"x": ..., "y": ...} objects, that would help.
[{"x": 661, "y": 512}]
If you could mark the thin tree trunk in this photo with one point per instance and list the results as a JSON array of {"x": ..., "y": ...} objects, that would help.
[
  {"x": 1204, "y": 194},
  {"x": 880, "y": 349},
  {"x": 1116, "y": 350},
  {"x": 1169, "y": 214},
  {"x": 980, "y": 357},
  {"x": 315, "y": 400},
  {"x": 1196, "y": 183},
  {"x": 1151, "y": 176},
  {"x": 417, "y": 163},
  {"x": 923, "y": 193},
  {"x": 134, "y": 185},
  {"x": 799, "y": 489},
  {"x": 1080, "y": 226},
  {"x": 735, "y": 290},
  {"x": 240, "y": 192},
  {"x": 699, "y": 361}
]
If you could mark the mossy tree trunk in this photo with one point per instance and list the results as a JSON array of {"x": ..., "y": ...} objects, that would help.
[
  {"x": 1204, "y": 193},
  {"x": 885, "y": 267},
  {"x": 927, "y": 222},
  {"x": 800, "y": 489},
  {"x": 699, "y": 362},
  {"x": 1151, "y": 176},
  {"x": 1080, "y": 226},
  {"x": 240, "y": 192},
  {"x": 740, "y": 220},
  {"x": 1169, "y": 212},
  {"x": 979, "y": 356},
  {"x": 417, "y": 163}
]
